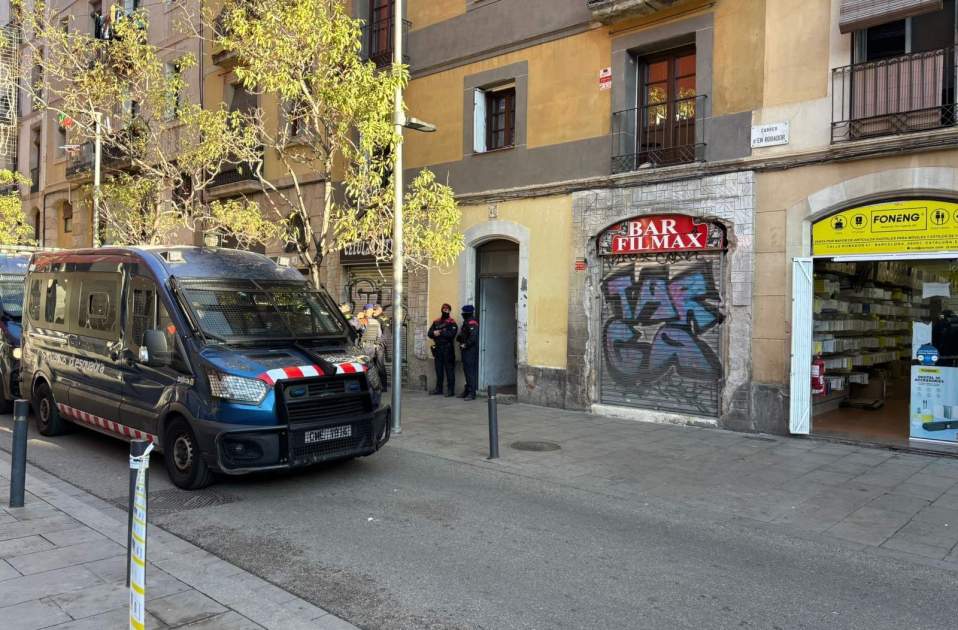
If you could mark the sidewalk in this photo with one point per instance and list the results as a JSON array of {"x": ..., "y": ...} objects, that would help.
[
  {"x": 63, "y": 566},
  {"x": 899, "y": 504}
]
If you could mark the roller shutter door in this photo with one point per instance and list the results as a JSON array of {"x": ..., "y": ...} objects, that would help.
[{"x": 661, "y": 333}]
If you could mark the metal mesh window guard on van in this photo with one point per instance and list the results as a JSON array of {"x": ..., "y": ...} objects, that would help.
[
  {"x": 11, "y": 294},
  {"x": 269, "y": 310}
]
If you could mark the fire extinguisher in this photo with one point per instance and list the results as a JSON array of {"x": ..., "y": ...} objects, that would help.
[{"x": 818, "y": 375}]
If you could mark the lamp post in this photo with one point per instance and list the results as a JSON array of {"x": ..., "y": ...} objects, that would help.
[{"x": 400, "y": 120}]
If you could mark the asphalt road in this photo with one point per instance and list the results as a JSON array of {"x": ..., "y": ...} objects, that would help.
[{"x": 404, "y": 540}]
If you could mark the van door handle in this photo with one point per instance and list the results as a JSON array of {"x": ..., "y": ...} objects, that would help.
[{"x": 73, "y": 340}]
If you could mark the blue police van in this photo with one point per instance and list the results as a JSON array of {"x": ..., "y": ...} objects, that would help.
[
  {"x": 13, "y": 268},
  {"x": 227, "y": 361}
]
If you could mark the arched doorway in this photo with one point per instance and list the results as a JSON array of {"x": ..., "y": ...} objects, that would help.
[{"x": 497, "y": 282}]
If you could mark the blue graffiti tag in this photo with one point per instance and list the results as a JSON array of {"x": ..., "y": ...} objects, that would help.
[{"x": 656, "y": 324}]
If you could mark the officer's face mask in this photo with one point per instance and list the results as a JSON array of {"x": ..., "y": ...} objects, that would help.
[{"x": 445, "y": 313}]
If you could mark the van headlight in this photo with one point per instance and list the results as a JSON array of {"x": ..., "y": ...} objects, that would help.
[
  {"x": 237, "y": 388},
  {"x": 17, "y": 353}
]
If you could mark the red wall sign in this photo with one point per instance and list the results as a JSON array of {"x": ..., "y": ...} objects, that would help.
[{"x": 659, "y": 233}]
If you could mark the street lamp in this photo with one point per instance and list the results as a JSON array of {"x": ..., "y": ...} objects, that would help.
[{"x": 400, "y": 120}]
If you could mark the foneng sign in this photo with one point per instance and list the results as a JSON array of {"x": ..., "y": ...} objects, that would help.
[
  {"x": 896, "y": 227},
  {"x": 659, "y": 233}
]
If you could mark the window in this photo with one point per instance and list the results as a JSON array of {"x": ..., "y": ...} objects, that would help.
[
  {"x": 500, "y": 118},
  {"x": 33, "y": 310},
  {"x": 147, "y": 312},
  {"x": 56, "y": 301},
  {"x": 97, "y": 315},
  {"x": 667, "y": 108},
  {"x": 380, "y": 30},
  {"x": 36, "y": 232},
  {"x": 173, "y": 77},
  {"x": 241, "y": 99},
  {"x": 67, "y": 218},
  {"x": 97, "y": 21},
  {"x": 921, "y": 33},
  {"x": 36, "y": 79},
  {"x": 65, "y": 25},
  {"x": 295, "y": 119}
]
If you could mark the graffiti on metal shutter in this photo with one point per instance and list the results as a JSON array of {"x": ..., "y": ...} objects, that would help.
[{"x": 661, "y": 322}]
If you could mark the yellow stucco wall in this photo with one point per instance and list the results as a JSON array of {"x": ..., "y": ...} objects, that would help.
[
  {"x": 565, "y": 103},
  {"x": 423, "y": 13},
  {"x": 777, "y": 192},
  {"x": 797, "y": 35},
  {"x": 549, "y": 221},
  {"x": 739, "y": 48}
]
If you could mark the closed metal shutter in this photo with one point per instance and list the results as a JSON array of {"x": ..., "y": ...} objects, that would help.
[
  {"x": 661, "y": 334},
  {"x": 369, "y": 284}
]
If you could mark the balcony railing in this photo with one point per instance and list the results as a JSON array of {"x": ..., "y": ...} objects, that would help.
[
  {"x": 236, "y": 173},
  {"x": 378, "y": 41},
  {"x": 35, "y": 179},
  {"x": 610, "y": 10},
  {"x": 903, "y": 94},
  {"x": 661, "y": 134},
  {"x": 80, "y": 160}
]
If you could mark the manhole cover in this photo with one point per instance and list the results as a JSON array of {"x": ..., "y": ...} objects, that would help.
[
  {"x": 175, "y": 500},
  {"x": 535, "y": 446}
]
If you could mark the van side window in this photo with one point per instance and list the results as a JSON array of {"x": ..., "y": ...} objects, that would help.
[
  {"x": 33, "y": 311},
  {"x": 56, "y": 303},
  {"x": 97, "y": 315},
  {"x": 147, "y": 312}
]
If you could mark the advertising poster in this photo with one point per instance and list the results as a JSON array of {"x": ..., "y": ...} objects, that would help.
[{"x": 934, "y": 403}]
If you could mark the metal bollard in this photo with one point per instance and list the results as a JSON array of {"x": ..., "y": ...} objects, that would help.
[
  {"x": 137, "y": 541},
  {"x": 493, "y": 424},
  {"x": 137, "y": 448},
  {"x": 18, "y": 464}
]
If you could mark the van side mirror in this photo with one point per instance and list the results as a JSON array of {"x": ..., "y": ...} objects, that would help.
[{"x": 157, "y": 351}]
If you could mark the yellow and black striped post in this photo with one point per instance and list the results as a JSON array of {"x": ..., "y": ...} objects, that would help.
[{"x": 139, "y": 465}]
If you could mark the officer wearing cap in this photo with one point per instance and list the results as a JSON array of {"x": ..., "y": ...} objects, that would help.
[
  {"x": 468, "y": 339},
  {"x": 442, "y": 333}
]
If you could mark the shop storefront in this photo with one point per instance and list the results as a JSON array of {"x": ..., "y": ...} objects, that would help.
[
  {"x": 874, "y": 331},
  {"x": 662, "y": 294}
]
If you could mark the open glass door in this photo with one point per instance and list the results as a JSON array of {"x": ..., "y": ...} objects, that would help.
[{"x": 800, "y": 399}]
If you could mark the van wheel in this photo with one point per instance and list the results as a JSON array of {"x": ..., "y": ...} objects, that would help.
[
  {"x": 49, "y": 421},
  {"x": 184, "y": 463}
]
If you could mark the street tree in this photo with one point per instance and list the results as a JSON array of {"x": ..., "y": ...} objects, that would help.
[
  {"x": 14, "y": 229},
  {"x": 160, "y": 151},
  {"x": 337, "y": 123}
]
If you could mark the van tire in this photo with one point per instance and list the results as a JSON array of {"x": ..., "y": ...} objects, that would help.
[
  {"x": 49, "y": 421},
  {"x": 184, "y": 463}
]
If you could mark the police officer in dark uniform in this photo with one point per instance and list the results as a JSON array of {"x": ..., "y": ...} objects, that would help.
[
  {"x": 469, "y": 349},
  {"x": 443, "y": 333}
]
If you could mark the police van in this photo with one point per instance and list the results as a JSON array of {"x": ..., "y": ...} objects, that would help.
[
  {"x": 227, "y": 361},
  {"x": 13, "y": 268}
]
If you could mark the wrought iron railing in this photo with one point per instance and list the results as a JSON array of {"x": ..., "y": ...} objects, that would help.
[
  {"x": 903, "y": 94},
  {"x": 672, "y": 132},
  {"x": 80, "y": 159},
  {"x": 378, "y": 41},
  {"x": 235, "y": 173}
]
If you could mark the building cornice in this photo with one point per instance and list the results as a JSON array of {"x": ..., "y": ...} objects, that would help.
[{"x": 844, "y": 152}]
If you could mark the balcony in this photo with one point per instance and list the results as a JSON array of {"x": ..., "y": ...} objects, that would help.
[
  {"x": 612, "y": 10},
  {"x": 905, "y": 94},
  {"x": 80, "y": 160},
  {"x": 378, "y": 41},
  {"x": 662, "y": 134},
  {"x": 237, "y": 173}
]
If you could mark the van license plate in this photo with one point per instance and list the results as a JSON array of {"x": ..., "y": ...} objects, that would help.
[{"x": 332, "y": 433}]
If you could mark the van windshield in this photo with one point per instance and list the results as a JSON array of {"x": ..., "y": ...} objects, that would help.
[
  {"x": 267, "y": 311},
  {"x": 11, "y": 295}
]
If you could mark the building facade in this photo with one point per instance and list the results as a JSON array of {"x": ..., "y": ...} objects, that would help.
[{"x": 638, "y": 179}]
